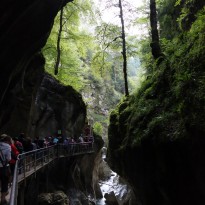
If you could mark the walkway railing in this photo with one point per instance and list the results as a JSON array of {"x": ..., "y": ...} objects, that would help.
[{"x": 29, "y": 163}]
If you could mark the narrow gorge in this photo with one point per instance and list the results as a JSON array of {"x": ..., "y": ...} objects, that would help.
[{"x": 155, "y": 150}]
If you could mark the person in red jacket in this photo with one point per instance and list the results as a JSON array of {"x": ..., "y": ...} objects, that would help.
[{"x": 14, "y": 156}]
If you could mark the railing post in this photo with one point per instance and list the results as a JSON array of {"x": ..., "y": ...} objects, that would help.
[
  {"x": 14, "y": 188},
  {"x": 35, "y": 163},
  {"x": 47, "y": 182},
  {"x": 41, "y": 154},
  {"x": 58, "y": 150},
  {"x": 24, "y": 170},
  {"x": 43, "y": 158},
  {"x": 22, "y": 194}
]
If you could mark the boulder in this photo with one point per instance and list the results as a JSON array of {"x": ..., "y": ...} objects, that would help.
[
  {"x": 56, "y": 198},
  {"x": 111, "y": 198}
]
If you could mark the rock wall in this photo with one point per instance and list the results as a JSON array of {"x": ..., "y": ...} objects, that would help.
[
  {"x": 15, "y": 115},
  {"x": 156, "y": 135},
  {"x": 36, "y": 104},
  {"x": 24, "y": 29},
  {"x": 56, "y": 107}
]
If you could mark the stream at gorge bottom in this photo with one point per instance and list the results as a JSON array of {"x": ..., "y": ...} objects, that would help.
[{"x": 112, "y": 186}]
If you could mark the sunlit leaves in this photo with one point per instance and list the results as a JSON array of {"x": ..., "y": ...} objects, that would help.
[{"x": 73, "y": 44}]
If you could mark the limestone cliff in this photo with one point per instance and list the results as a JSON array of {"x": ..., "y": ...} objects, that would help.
[
  {"x": 24, "y": 29},
  {"x": 156, "y": 136},
  {"x": 56, "y": 107},
  {"x": 37, "y": 104}
]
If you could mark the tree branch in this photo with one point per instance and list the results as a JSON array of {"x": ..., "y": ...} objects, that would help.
[{"x": 58, "y": 43}]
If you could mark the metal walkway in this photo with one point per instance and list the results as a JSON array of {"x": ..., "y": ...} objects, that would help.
[{"x": 30, "y": 162}]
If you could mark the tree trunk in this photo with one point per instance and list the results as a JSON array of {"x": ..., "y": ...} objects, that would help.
[
  {"x": 124, "y": 52},
  {"x": 58, "y": 42},
  {"x": 156, "y": 50}
]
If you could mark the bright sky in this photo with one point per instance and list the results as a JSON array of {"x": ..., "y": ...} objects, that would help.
[{"x": 111, "y": 13}]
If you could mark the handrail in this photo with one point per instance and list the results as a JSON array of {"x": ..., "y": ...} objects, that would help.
[
  {"x": 30, "y": 162},
  {"x": 14, "y": 187}
]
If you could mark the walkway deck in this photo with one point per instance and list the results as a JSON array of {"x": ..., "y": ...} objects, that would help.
[{"x": 30, "y": 162}]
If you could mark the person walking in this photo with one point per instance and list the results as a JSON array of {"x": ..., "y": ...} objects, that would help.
[
  {"x": 14, "y": 157},
  {"x": 18, "y": 145},
  {"x": 5, "y": 157}
]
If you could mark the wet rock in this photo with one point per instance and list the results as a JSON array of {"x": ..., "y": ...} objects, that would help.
[
  {"x": 76, "y": 202},
  {"x": 104, "y": 171},
  {"x": 56, "y": 198},
  {"x": 111, "y": 198},
  {"x": 98, "y": 192},
  {"x": 77, "y": 197}
]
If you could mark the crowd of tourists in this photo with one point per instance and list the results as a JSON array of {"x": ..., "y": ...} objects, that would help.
[
  {"x": 10, "y": 148},
  {"x": 8, "y": 156}
]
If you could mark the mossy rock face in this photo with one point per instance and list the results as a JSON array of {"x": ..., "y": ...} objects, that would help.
[{"x": 156, "y": 137}]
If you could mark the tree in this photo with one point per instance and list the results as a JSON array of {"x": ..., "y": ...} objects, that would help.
[
  {"x": 113, "y": 36},
  {"x": 58, "y": 42},
  {"x": 67, "y": 44},
  {"x": 156, "y": 50},
  {"x": 124, "y": 52}
]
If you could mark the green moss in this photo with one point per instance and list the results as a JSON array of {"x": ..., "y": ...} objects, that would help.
[
  {"x": 170, "y": 104},
  {"x": 114, "y": 117},
  {"x": 123, "y": 106},
  {"x": 164, "y": 121}
]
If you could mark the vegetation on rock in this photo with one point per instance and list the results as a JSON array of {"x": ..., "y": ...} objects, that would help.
[
  {"x": 91, "y": 60},
  {"x": 167, "y": 112},
  {"x": 170, "y": 103}
]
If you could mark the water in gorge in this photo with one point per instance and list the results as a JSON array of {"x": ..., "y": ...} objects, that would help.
[{"x": 112, "y": 186}]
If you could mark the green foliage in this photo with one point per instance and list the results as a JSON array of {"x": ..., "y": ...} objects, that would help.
[
  {"x": 108, "y": 50},
  {"x": 170, "y": 104},
  {"x": 145, "y": 56},
  {"x": 98, "y": 128},
  {"x": 178, "y": 2},
  {"x": 92, "y": 64},
  {"x": 107, "y": 61},
  {"x": 189, "y": 9},
  {"x": 185, "y": 12},
  {"x": 100, "y": 66},
  {"x": 74, "y": 45},
  {"x": 168, "y": 13}
]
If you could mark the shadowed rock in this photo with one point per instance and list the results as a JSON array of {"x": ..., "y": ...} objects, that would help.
[
  {"x": 24, "y": 28},
  {"x": 56, "y": 198},
  {"x": 57, "y": 107}
]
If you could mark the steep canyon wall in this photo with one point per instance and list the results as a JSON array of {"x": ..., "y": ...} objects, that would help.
[
  {"x": 24, "y": 29},
  {"x": 156, "y": 136}
]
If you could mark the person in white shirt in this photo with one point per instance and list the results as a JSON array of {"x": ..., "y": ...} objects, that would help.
[{"x": 5, "y": 157}]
